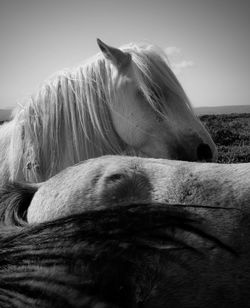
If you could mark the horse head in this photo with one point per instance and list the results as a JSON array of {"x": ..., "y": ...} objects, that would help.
[{"x": 150, "y": 111}]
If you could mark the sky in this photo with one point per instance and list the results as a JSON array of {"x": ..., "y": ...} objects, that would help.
[{"x": 207, "y": 41}]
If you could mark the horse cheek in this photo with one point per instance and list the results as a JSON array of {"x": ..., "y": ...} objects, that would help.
[{"x": 129, "y": 132}]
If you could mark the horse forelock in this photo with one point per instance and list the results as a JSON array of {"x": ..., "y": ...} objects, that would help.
[{"x": 154, "y": 76}]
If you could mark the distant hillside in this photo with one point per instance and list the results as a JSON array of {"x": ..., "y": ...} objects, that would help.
[
  {"x": 5, "y": 114},
  {"x": 222, "y": 109},
  {"x": 231, "y": 134}
]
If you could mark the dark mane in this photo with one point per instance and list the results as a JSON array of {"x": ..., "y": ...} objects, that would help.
[{"x": 107, "y": 258}]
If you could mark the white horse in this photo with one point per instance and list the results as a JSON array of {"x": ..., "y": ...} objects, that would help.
[
  {"x": 120, "y": 101},
  {"x": 111, "y": 180}
]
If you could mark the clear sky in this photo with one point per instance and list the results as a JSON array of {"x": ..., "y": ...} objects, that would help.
[{"x": 208, "y": 42}]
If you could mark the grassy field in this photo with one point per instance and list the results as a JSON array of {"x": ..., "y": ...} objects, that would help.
[{"x": 231, "y": 133}]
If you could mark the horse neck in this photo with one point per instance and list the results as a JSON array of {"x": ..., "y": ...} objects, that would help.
[
  {"x": 66, "y": 122},
  {"x": 56, "y": 146},
  {"x": 5, "y": 136},
  {"x": 5, "y": 157}
]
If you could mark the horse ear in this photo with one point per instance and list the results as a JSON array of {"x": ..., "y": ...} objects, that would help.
[{"x": 119, "y": 58}]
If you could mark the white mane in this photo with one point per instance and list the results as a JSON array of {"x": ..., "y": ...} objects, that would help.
[{"x": 68, "y": 119}]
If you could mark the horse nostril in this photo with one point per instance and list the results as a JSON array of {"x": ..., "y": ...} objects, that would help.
[{"x": 204, "y": 152}]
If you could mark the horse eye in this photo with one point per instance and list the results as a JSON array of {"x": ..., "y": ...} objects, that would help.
[
  {"x": 140, "y": 94},
  {"x": 156, "y": 95}
]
